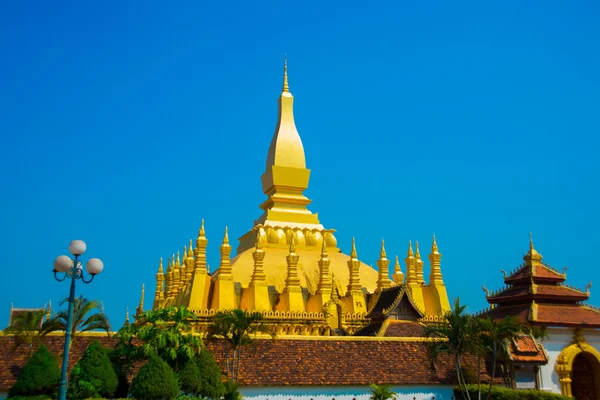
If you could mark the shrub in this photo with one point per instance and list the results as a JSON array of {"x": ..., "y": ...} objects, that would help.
[
  {"x": 232, "y": 391},
  {"x": 40, "y": 397},
  {"x": 210, "y": 375},
  {"x": 40, "y": 376},
  {"x": 190, "y": 379},
  {"x": 93, "y": 375},
  {"x": 502, "y": 393},
  {"x": 155, "y": 381}
]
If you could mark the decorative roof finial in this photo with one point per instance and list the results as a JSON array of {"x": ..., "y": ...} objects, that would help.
[
  {"x": 142, "y": 298},
  {"x": 190, "y": 251},
  {"x": 382, "y": 254},
  {"x": 353, "y": 253},
  {"x": 286, "y": 87},
  {"x": 588, "y": 287},
  {"x": 258, "y": 244},
  {"x": 324, "y": 247},
  {"x": 434, "y": 248},
  {"x": 410, "y": 250},
  {"x": 292, "y": 245},
  {"x": 202, "y": 233},
  {"x": 417, "y": 253},
  {"x": 226, "y": 237},
  {"x": 160, "y": 267},
  {"x": 334, "y": 292},
  {"x": 531, "y": 241}
]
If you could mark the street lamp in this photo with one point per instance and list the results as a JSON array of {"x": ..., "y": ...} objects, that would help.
[{"x": 72, "y": 268}]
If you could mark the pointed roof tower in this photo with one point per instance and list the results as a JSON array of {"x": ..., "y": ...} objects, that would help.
[{"x": 286, "y": 176}]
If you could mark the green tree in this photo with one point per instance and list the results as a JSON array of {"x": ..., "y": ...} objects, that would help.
[
  {"x": 210, "y": 373},
  {"x": 29, "y": 328},
  {"x": 84, "y": 317},
  {"x": 40, "y": 375},
  {"x": 190, "y": 378},
  {"x": 236, "y": 328},
  {"x": 93, "y": 375},
  {"x": 382, "y": 392},
  {"x": 155, "y": 381},
  {"x": 451, "y": 337},
  {"x": 498, "y": 336},
  {"x": 166, "y": 333}
]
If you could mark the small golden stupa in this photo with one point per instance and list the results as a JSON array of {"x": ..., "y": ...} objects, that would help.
[{"x": 288, "y": 265}]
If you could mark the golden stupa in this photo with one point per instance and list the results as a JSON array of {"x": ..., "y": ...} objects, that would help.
[{"x": 288, "y": 265}]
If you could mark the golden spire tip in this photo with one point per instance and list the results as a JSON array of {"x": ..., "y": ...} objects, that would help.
[
  {"x": 226, "y": 237},
  {"x": 286, "y": 87},
  {"x": 258, "y": 244},
  {"x": 292, "y": 245},
  {"x": 202, "y": 233},
  {"x": 324, "y": 245},
  {"x": 434, "y": 247},
  {"x": 418, "y": 253},
  {"x": 353, "y": 252},
  {"x": 530, "y": 241},
  {"x": 410, "y": 249},
  {"x": 382, "y": 254}
]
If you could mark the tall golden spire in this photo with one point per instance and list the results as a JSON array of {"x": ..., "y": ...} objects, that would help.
[
  {"x": 354, "y": 267},
  {"x": 324, "y": 263},
  {"x": 159, "y": 293},
  {"x": 140, "y": 308},
  {"x": 286, "y": 176},
  {"x": 383, "y": 281},
  {"x": 225, "y": 266},
  {"x": 201, "y": 244},
  {"x": 411, "y": 267},
  {"x": 419, "y": 264},
  {"x": 258, "y": 275},
  {"x": 398, "y": 276},
  {"x": 292, "y": 263},
  {"x": 435, "y": 274}
]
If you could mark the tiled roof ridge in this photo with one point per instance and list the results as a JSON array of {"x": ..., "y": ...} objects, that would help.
[
  {"x": 586, "y": 290},
  {"x": 523, "y": 267}
]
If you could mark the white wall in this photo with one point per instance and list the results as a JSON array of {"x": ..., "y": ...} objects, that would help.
[
  {"x": 405, "y": 392},
  {"x": 559, "y": 338}
]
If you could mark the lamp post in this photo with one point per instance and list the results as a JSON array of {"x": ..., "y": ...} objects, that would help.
[{"x": 72, "y": 268}]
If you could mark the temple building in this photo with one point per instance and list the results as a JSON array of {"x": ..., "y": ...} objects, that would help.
[
  {"x": 537, "y": 296},
  {"x": 288, "y": 266}
]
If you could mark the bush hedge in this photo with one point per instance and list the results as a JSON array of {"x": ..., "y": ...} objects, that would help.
[
  {"x": 93, "y": 375},
  {"x": 210, "y": 375},
  {"x": 155, "y": 381},
  {"x": 40, "y": 376},
  {"x": 502, "y": 393}
]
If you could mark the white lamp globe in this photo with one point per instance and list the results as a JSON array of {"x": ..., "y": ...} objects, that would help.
[
  {"x": 94, "y": 266},
  {"x": 77, "y": 247},
  {"x": 63, "y": 264}
]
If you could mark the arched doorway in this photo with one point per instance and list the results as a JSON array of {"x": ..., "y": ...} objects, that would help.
[
  {"x": 578, "y": 368},
  {"x": 583, "y": 385}
]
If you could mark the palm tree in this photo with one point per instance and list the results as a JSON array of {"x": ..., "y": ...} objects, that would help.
[
  {"x": 166, "y": 332},
  {"x": 236, "y": 327},
  {"x": 382, "y": 392},
  {"x": 478, "y": 346},
  {"x": 29, "y": 328},
  {"x": 452, "y": 337},
  {"x": 82, "y": 322},
  {"x": 499, "y": 335}
]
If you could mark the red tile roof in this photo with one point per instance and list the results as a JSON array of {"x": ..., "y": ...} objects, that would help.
[
  {"x": 526, "y": 350},
  {"x": 550, "y": 292},
  {"x": 540, "y": 273},
  {"x": 404, "y": 329},
  {"x": 567, "y": 315}
]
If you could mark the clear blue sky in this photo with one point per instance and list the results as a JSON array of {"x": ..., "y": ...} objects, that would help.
[{"x": 125, "y": 123}]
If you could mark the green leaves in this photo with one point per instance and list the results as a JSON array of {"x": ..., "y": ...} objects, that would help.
[
  {"x": 382, "y": 392},
  {"x": 155, "y": 381},
  {"x": 82, "y": 321},
  {"x": 166, "y": 333}
]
